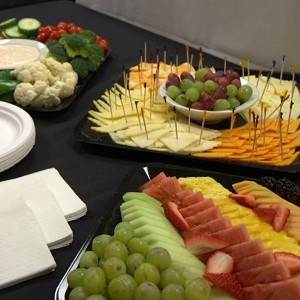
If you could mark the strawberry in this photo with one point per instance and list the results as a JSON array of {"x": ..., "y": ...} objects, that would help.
[
  {"x": 200, "y": 244},
  {"x": 291, "y": 260},
  {"x": 172, "y": 213},
  {"x": 228, "y": 282},
  {"x": 265, "y": 213},
  {"x": 219, "y": 262},
  {"x": 245, "y": 200},
  {"x": 280, "y": 218}
]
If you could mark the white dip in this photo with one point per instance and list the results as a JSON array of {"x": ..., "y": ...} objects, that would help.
[{"x": 15, "y": 55}]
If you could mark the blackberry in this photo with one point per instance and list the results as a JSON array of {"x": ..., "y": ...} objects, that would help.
[
  {"x": 269, "y": 182},
  {"x": 284, "y": 187}
]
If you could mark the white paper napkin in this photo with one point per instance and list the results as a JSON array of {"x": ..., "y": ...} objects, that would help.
[
  {"x": 23, "y": 250},
  {"x": 49, "y": 215},
  {"x": 71, "y": 205}
]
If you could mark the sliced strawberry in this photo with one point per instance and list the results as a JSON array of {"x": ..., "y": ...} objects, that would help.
[
  {"x": 245, "y": 200},
  {"x": 201, "y": 244},
  {"x": 281, "y": 216},
  {"x": 174, "y": 216},
  {"x": 265, "y": 213},
  {"x": 219, "y": 262},
  {"x": 228, "y": 282},
  {"x": 291, "y": 260}
]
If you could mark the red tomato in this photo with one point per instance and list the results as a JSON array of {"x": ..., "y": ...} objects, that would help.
[
  {"x": 60, "y": 32},
  {"x": 104, "y": 44},
  {"x": 98, "y": 39},
  {"x": 54, "y": 35},
  {"x": 2, "y": 37},
  {"x": 42, "y": 37},
  {"x": 46, "y": 29},
  {"x": 62, "y": 25}
]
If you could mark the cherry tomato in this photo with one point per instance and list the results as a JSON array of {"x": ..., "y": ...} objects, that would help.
[
  {"x": 60, "y": 31},
  {"x": 46, "y": 29},
  {"x": 42, "y": 37},
  {"x": 98, "y": 39},
  {"x": 62, "y": 25},
  {"x": 54, "y": 35},
  {"x": 104, "y": 44}
]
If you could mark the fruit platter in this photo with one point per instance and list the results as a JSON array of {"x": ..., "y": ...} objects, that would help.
[
  {"x": 177, "y": 232},
  {"x": 45, "y": 67}
]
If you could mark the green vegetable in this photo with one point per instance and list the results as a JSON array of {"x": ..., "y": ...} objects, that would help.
[
  {"x": 7, "y": 86},
  {"x": 80, "y": 66},
  {"x": 95, "y": 57},
  {"x": 57, "y": 51},
  {"x": 29, "y": 26},
  {"x": 88, "y": 35},
  {"x": 8, "y": 97},
  {"x": 5, "y": 75},
  {"x": 8, "y": 23},
  {"x": 74, "y": 45},
  {"x": 14, "y": 33}
]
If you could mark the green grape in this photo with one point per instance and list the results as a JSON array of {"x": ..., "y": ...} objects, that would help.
[
  {"x": 173, "y": 291},
  {"x": 116, "y": 249},
  {"x": 99, "y": 243},
  {"x": 133, "y": 261},
  {"x": 197, "y": 289},
  {"x": 186, "y": 84},
  {"x": 124, "y": 224},
  {"x": 95, "y": 297},
  {"x": 234, "y": 102},
  {"x": 171, "y": 275},
  {"x": 159, "y": 257},
  {"x": 192, "y": 94},
  {"x": 231, "y": 90},
  {"x": 123, "y": 235},
  {"x": 222, "y": 104},
  {"x": 210, "y": 86},
  {"x": 75, "y": 277},
  {"x": 181, "y": 100},
  {"x": 244, "y": 93},
  {"x": 138, "y": 245},
  {"x": 94, "y": 280},
  {"x": 122, "y": 288},
  {"x": 88, "y": 259},
  {"x": 173, "y": 91},
  {"x": 78, "y": 293},
  {"x": 114, "y": 267},
  {"x": 199, "y": 85},
  {"x": 200, "y": 73},
  {"x": 147, "y": 291},
  {"x": 147, "y": 272},
  {"x": 101, "y": 262}
]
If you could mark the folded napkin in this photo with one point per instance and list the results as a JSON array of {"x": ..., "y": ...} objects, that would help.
[
  {"x": 71, "y": 205},
  {"x": 48, "y": 213},
  {"x": 23, "y": 250}
]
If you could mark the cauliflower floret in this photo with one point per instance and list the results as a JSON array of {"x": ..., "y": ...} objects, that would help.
[
  {"x": 47, "y": 98},
  {"x": 68, "y": 67},
  {"x": 63, "y": 89},
  {"x": 71, "y": 78},
  {"x": 40, "y": 86},
  {"x": 55, "y": 67},
  {"x": 33, "y": 71},
  {"x": 25, "y": 93}
]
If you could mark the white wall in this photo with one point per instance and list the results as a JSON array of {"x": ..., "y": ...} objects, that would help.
[{"x": 264, "y": 29}]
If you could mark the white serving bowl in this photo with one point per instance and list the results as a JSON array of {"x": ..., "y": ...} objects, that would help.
[{"x": 212, "y": 116}]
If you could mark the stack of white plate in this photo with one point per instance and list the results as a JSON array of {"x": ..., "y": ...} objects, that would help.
[{"x": 17, "y": 135}]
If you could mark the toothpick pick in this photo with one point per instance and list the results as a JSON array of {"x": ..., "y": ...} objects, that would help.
[
  {"x": 247, "y": 59},
  {"x": 259, "y": 75},
  {"x": 123, "y": 108},
  {"x": 189, "y": 119},
  {"x": 175, "y": 121},
  {"x": 255, "y": 122},
  {"x": 265, "y": 87},
  {"x": 289, "y": 118},
  {"x": 144, "y": 121},
  {"x": 157, "y": 55},
  {"x": 200, "y": 58},
  {"x": 165, "y": 55},
  {"x": 242, "y": 64},
  {"x": 167, "y": 110},
  {"x": 232, "y": 120},
  {"x": 110, "y": 107},
  {"x": 145, "y": 88},
  {"x": 145, "y": 53},
  {"x": 204, "y": 115},
  {"x": 249, "y": 123},
  {"x": 177, "y": 59},
  {"x": 191, "y": 62},
  {"x": 137, "y": 113},
  {"x": 225, "y": 63},
  {"x": 280, "y": 136},
  {"x": 282, "y": 68},
  {"x": 171, "y": 64},
  {"x": 187, "y": 49}
]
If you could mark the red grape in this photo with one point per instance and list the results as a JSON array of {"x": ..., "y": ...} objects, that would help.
[
  {"x": 186, "y": 75},
  {"x": 174, "y": 79}
]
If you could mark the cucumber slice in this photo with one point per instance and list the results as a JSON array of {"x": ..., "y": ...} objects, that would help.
[
  {"x": 14, "y": 33},
  {"x": 29, "y": 26},
  {"x": 8, "y": 23}
]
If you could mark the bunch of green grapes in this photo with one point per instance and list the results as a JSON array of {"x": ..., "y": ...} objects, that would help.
[{"x": 123, "y": 267}]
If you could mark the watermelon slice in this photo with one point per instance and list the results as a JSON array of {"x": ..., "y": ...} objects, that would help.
[
  {"x": 195, "y": 208},
  {"x": 154, "y": 181},
  {"x": 204, "y": 216},
  {"x": 190, "y": 199}
]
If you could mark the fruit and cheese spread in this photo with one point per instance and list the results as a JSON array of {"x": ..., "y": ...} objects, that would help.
[{"x": 15, "y": 55}]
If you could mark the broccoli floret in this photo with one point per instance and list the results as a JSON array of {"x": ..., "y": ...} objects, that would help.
[
  {"x": 57, "y": 51},
  {"x": 75, "y": 45},
  {"x": 88, "y": 35},
  {"x": 95, "y": 57},
  {"x": 80, "y": 66}
]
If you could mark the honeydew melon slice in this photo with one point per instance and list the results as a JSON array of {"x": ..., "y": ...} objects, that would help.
[
  {"x": 150, "y": 228},
  {"x": 140, "y": 196},
  {"x": 152, "y": 238},
  {"x": 141, "y": 203},
  {"x": 151, "y": 211}
]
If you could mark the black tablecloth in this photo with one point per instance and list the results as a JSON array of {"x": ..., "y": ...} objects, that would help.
[{"x": 94, "y": 172}]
